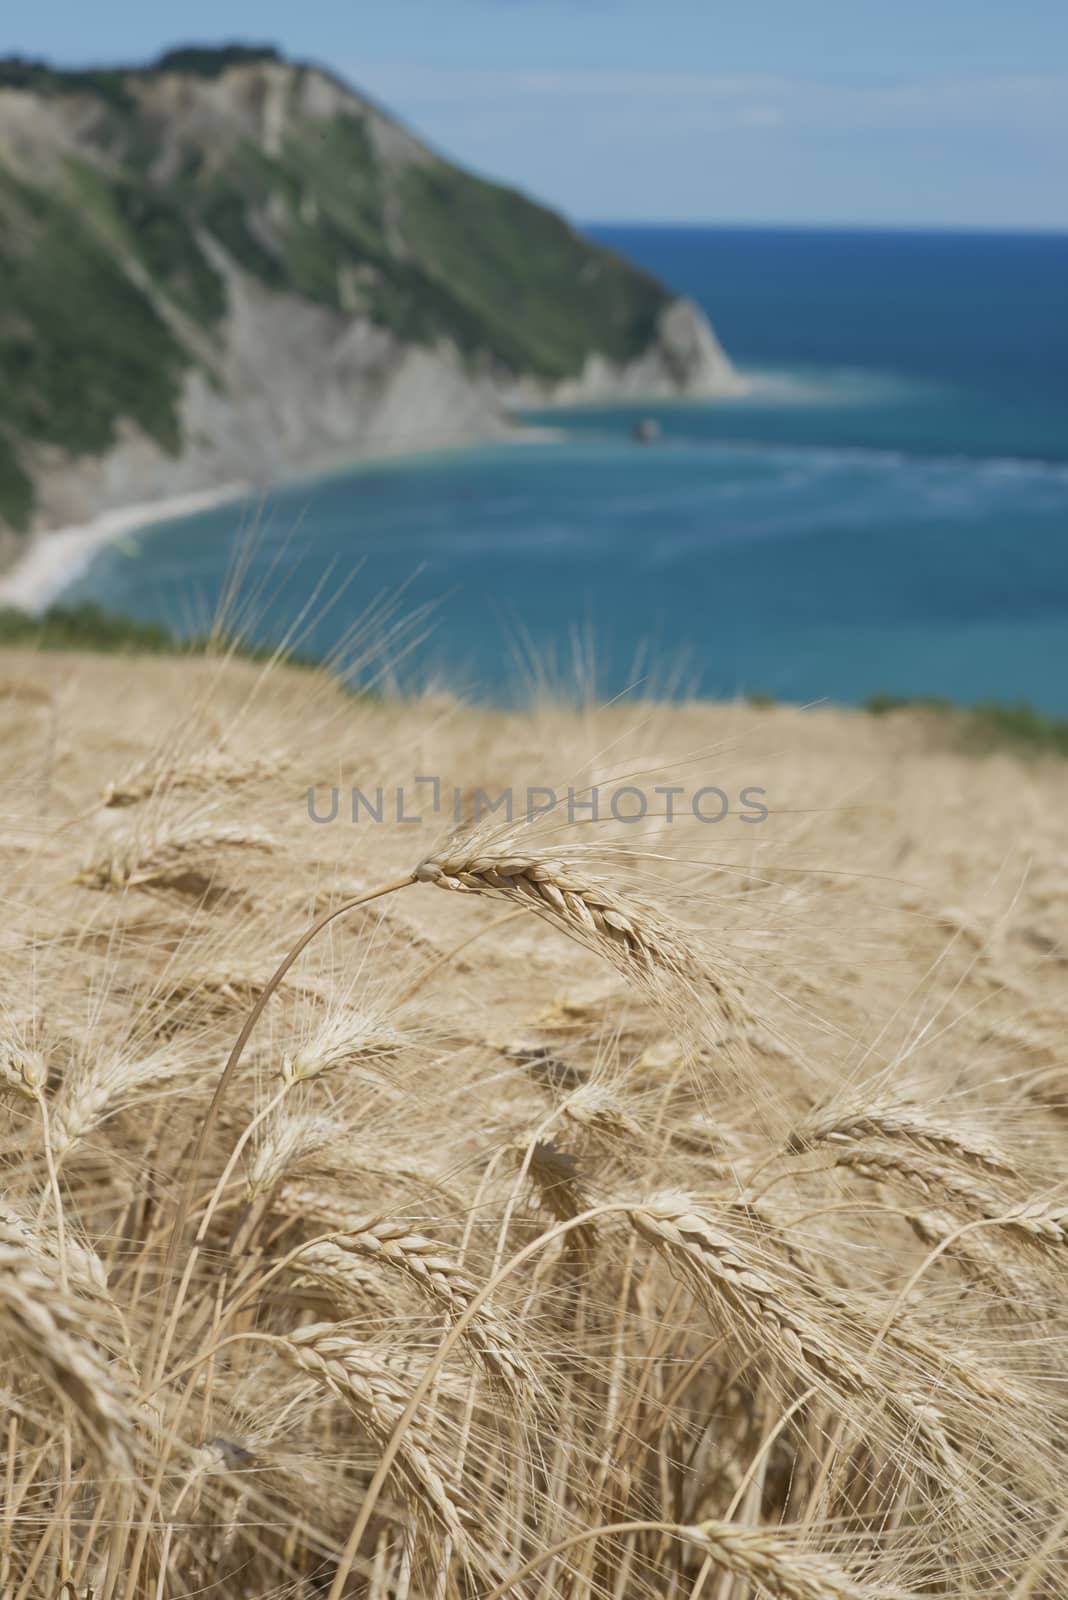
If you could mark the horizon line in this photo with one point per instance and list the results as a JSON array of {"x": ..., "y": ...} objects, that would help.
[{"x": 1027, "y": 229}]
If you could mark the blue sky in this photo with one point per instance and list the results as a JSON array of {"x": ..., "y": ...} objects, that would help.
[{"x": 927, "y": 112}]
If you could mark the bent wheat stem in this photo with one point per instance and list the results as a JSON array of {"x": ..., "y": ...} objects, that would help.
[
  {"x": 752, "y": 1553},
  {"x": 257, "y": 1010},
  {"x": 433, "y": 1367}
]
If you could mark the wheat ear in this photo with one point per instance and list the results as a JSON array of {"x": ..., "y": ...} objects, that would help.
[
  {"x": 181, "y": 1214},
  {"x": 345, "y": 1367},
  {"x": 909, "y": 1124},
  {"x": 138, "y": 863},
  {"x": 759, "y": 1555},
  {"x": 22, "y": 1069},
  {"x": 714, "y": 1264},
  {"x": 44, "y": 1325},
  {"x": 1040, "y": 1222},
  {"x": 213, "y": 769},
  {"x": 426, "y": 1264},
  {"x": 637, "y": 941}
]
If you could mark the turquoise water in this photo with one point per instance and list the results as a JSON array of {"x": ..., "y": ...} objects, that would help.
[{"x": 887, "y": 510}]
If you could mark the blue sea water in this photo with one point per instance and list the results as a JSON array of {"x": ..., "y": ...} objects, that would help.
[{"x": 885, "y": 511}]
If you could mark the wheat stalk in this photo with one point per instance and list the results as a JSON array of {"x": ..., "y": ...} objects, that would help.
[
  {"x": 928, "y": 1355},
  {"x": 936, "y": 1358},
  {"x": 976, "y": 1255}
]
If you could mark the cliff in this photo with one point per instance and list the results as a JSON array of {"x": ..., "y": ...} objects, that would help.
[{"x": 226, "y": 266}]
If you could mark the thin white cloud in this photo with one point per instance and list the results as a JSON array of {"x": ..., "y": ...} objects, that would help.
[
  {"x": 689, "y": 145},
  {"x": 465, "y": 86},
  {"x": 760, "y": 116},
  {"x": 716, "y": 101}
]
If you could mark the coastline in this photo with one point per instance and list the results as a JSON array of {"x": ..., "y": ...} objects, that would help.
[
  {"x": 52, "y": 560},
  {"x": 55, "y": 557}
]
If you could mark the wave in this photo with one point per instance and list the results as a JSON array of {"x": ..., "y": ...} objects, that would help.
[
  {"x": 831, "y": 457},
  {"x": 829, "y": 387}
]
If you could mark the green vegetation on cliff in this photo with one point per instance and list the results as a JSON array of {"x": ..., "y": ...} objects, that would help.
[
  {"x": 539, "y": 290},
  {"x": 19, "y": 72},
  {"x": 137, "y": 190},
  {"x": 81, "y": 346}
]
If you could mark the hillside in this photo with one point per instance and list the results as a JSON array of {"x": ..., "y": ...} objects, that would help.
[
  {"x": 226, "y": 265},
  {"x": 672, "y": 1209}
]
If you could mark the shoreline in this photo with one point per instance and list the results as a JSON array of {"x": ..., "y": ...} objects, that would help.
[{"x": 54, "y": 559}]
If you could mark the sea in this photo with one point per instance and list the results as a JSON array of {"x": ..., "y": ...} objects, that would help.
[{"x": 884, "y": 512}]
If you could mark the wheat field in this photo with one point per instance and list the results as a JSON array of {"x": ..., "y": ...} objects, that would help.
[{"x": 615, "y": 1208}]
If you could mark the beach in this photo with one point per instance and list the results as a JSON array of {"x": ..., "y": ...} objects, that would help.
[{"x": 52, "y": 561}]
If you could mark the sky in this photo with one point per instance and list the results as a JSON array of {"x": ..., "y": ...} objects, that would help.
[{"x": 858, "y": 112}]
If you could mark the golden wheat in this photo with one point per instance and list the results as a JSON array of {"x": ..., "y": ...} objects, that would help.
[
  {"x": 715, "y": 1251},
  {"x": 47, "y": 1328}
]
